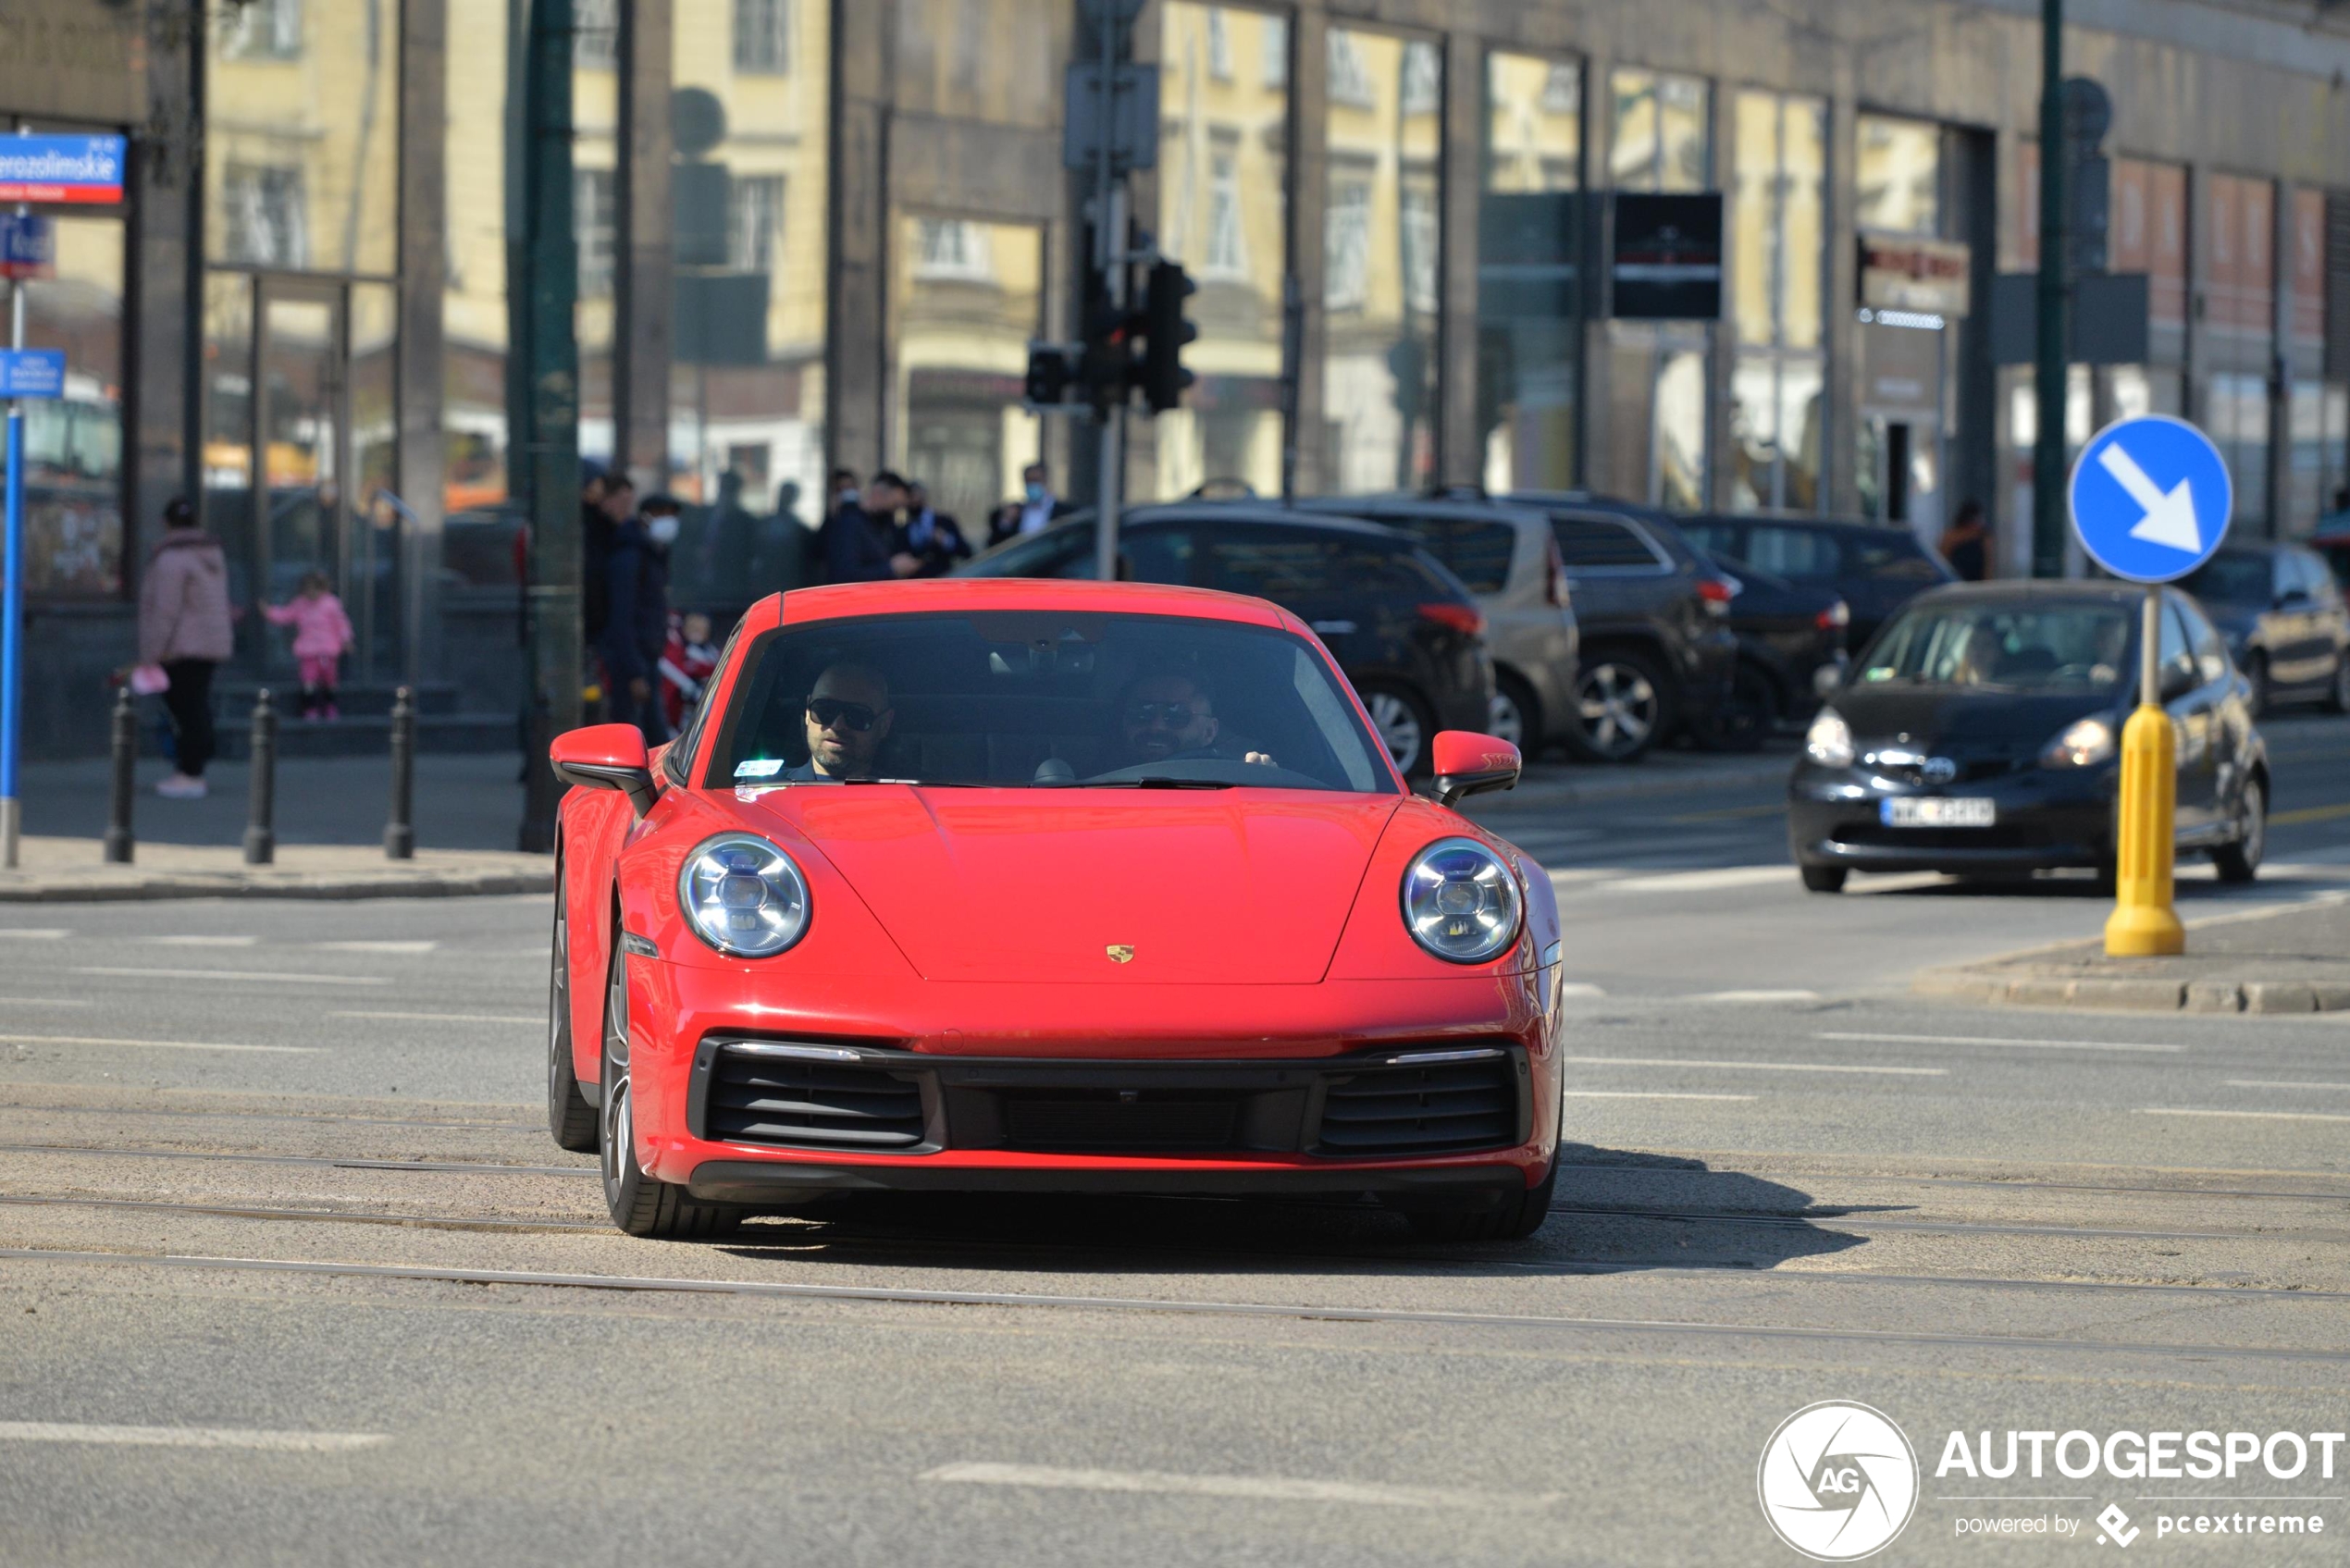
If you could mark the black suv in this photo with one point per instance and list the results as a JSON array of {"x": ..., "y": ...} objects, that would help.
[
  {"x": 1658, "y": 652},
  {"x": 1875, "y": 567},
  {"x": 1405, "y": 630},
  {"x": 2282, "y": 612}
]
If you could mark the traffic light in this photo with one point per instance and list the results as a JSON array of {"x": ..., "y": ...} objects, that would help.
[
  {"x": 1163, "y": 334},
  {"x": 1053, "y": 370},
  {"x": 1107, "y": 366}
]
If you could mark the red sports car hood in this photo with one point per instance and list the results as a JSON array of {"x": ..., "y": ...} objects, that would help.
[{"x": 1238, "y": 886}]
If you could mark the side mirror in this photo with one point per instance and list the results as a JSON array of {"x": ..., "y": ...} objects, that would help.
[
  {"x": 606, "y": 757},
  {"x": 1469, "y": 763},
  {"x": 2178, "y": 680}
]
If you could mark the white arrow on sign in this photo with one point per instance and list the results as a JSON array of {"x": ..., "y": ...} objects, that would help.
[{"x": 2169, "y": 516}]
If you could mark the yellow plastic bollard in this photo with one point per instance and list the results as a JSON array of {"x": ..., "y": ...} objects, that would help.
[{"x": 2143, "y": 924}]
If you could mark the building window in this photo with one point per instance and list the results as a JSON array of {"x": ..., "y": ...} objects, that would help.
[
  {"x": 762, "y": 36},
  {"x": 951, "y": 249},
  {"x": 1350, "y": 83},
  {"x": 1662, "y": 141},
  {"x": 595, "y": 26},
  {"x": 1563, "y": 90},
  {"x": 1273, "y": 45},
  {"x": 595, "y": 225},
  {"x": 1779, "y": 278},
  {"x": 263, "y": 205},
  {"x": 262, "y": 29},
  {"x": 1658, "y": 372},
  {"x": 1423, "y": 79},
  {"x": 754, "y": 219},
  {"x": 1346, "y": 252},
  {"x": 1419, "y": 239},
  {"x": 1900, "y": 176},
  {"x": 1529, "y": 310},
  {"x": 1219, "y": 44},
  {"x": 1227, "y": 245}
]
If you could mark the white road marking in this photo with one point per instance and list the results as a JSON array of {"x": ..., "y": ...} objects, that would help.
[
  {"x": 45, "y": 1002},
  {"x": 157, "y": 1045},
  {"x": 189, "y": 1437},
  {"x": 274, "y": 977},
  {"x": 2276, "y": 1083},
  {"x": 1756, "y": 1067},
  {"x": 1580, "y": 988},
  {"x": 446, "y": 1017},
  {"x": 1631, "y": 1094},
  {"x": 410, "y": 946},
  {"x": 1996, "y": 1039},
  {"x": 35, "y": 933},
  {"x": 204, "y": 941},
  {"x": 2247, "y": 1116},
  {"x": 1276, "y": 1488},
  {"x": 1748, "y": 996},
  {"x": 1704, "y": 881}
]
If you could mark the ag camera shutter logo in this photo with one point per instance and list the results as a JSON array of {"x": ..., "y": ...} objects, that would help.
[{"x": 1838, "y": 1481}]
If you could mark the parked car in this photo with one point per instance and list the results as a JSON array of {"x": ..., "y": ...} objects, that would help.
[
  {"x": 1981, "y": 733},
  {"x": 2282, "y": 612},
  {"x": 1792, "y": 635},
  {"x": 1407, "y": 631},
  {"x": 1873, "y": 567},
  {"x": 2332, "y": 542},
  {"x": 1509, "y": 559},
  {"x": 1657, "y": 650}
]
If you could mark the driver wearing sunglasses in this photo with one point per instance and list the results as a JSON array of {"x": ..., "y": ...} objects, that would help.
[
  {"x": 848, "y": 714},
  {"x": 1173, "y": 718}
]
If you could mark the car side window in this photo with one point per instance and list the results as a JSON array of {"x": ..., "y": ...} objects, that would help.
[
  {"x": 1796, "y": 553},
  {"x": 1480, "y": 554},
  {"x": 1280, "y": 565},
  {"x": 1602, "y": 544},
  {"x": 1896, "y": 558},
  {"x": 2211, "y": 652},
  {"x": 2174, "y": 651},
  {"x": 2316, "y": 581},
  {"x": 1048, "y": 555},
  {"x": 1158, "y": 555},
  {"x": 1719, "y": 540}
]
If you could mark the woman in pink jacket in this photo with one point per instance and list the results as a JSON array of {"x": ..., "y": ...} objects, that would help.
[
  {"x": 322, "y": 634},
  {"x": 184, "y": 628}
]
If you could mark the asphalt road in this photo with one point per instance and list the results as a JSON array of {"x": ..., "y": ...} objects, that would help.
[{"x": 291, "y": 1273}]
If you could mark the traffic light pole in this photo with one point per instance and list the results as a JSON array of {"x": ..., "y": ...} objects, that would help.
[
  {"x": 1111, "y": 17},
  {"x": 2050, "y": 377}
]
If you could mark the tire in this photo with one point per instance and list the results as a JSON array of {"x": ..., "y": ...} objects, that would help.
[
  {"x": 1750, "y": 715},
  {"x": 640, "y": 1204},
  {"x": 1624, "y": 704},
  {"x": 2255, "y": 672},
  {"x": 1517, "y": 717},
  {"x": 570, "y": 1117},
  {"x": 2240, "y": 862},
  {"x": 1406, "y": 725},
  {"x": 1513, "y": 1217},
  {"x": 1824, "y": 879},
  {"x": 2338, "y": 698}
]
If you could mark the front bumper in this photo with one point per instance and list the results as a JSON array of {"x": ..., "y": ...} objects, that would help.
[{"x": 2046, "y": 819}]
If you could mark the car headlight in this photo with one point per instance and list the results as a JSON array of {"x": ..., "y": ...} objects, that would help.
[
  {"x": 1460, "y": 902},
  {"x": 744, "y": 897},
  {"x": 2082, "y": 745},
  {"x": 1829, "y": 740}
]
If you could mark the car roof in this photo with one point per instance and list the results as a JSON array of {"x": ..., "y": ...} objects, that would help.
[
  {"x": 933, "y": 595},
  {"x": 1465, "y": 507},
  {"x": 2047, "y": 591},
  {"x": 1208, "y": 510},
  {"x": 1837, "y": 525}
]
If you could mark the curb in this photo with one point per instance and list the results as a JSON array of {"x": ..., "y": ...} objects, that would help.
[
  {"x": 2134, "y": 994},
  {"x": 166, "y": 885}
]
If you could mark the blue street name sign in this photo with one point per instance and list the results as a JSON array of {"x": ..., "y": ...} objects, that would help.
[
  {"x": 27, "y": 245},
  {"x": 61, "y": 168},
  {"x": 33, "y": 373},
  {"x": 2150, "y": 497}
]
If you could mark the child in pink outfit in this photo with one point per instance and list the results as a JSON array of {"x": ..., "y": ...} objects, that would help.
[{"x": 322, "y": 634}]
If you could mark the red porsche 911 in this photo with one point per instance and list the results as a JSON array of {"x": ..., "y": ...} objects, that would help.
[{"x": 1045, "y": 886}]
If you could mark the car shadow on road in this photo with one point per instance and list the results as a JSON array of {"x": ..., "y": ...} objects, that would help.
[{"x": 1614, "y": 1211}]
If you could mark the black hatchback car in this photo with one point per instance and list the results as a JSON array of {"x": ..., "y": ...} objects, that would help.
[
  {"x": 2283, "y": 615},
  {"x": 1404, "y": 630},
  {"x": 1980, "y": 733},
  {"x": 1876, "y": 568}
]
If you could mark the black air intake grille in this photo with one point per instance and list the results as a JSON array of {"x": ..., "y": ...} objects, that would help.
[
  {"x": 1077, "y": 1122},
  {"x": 763, "y": 1099},
  {"x": 1438, "y": 1108}
]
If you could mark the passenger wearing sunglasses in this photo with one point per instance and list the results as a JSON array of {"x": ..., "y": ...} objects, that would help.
[
  {"x": 1171, "y": 718},
  {"x": 847, "y": 716}
]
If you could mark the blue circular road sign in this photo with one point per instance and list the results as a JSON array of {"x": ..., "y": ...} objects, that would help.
[{"x": 2150, "y": 497}]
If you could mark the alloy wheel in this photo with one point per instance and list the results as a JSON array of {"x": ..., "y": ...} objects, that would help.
[
  {"x": 1505, "y": 720},
  {"x": 619, "y": 1140},
  {"x": 1398, "y": 727},
  {"x": 2251, "y": 824},
  {"x": 1618, "y": 705},
  {"x": 558, "y": 1005}
]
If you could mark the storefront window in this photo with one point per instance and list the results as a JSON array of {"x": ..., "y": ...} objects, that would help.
[
  {"x": 73, "y": 444},
  {"x": 966, "y": 298},
  {"x": 2240, "y": 329},
  {"x": 1379, "y": 244},
  {"x": 1777, "y": 240},
  {"x": 473, "y": 301},
  {"x": 1661, "y": 140},
  {"x": 1223, "y": 211},
  {"x": 1530, "y": 327},
  {"x": 595, "y": 216},
  {"x": 1900, "y": 176}
]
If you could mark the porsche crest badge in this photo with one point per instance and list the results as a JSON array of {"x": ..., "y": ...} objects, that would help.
[{"x": 1120, "y": 952}]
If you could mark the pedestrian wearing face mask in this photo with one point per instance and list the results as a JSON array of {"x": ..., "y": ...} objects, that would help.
[
  {"x": 1038, "y": 508},
  {"x": 639, "y": 626}
]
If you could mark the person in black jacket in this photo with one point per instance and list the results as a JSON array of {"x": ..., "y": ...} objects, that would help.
[
  {"x": 861, "y": 543},
  {"x": 932, "y": 537},
  {"x": 638, "y": 627}
]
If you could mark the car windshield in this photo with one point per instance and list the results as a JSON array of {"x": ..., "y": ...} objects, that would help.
[
  {"x": 1043, "y": 700},
  {"x": 2010, "y": 648},
  {"x": 2231, "y": 579}
]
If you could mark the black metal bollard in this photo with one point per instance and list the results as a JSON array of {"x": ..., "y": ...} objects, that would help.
[
  {"x": 261, "y": 840},
  {"x": 400, "y": 830},
  {"x": 126, "y": 757}
]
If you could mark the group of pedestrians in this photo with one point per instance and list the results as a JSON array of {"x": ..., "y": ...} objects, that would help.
[
  {"x": 887, "y": 527},
  {"x": 653, "y": 659}
]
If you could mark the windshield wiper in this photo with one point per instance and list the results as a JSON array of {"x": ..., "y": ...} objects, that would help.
[{"x": 1158, "y": 783}]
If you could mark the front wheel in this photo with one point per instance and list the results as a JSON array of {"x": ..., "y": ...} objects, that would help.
[
  {"x": 1513, "y": 1217},
  {"x": 641, "y": 1204},
  {"x": 569, "y": 1115},
  {"x": 2240, "y": 861},
  {"x": 1516, "y": 717},
  {"x": 1622, "y": 706}
]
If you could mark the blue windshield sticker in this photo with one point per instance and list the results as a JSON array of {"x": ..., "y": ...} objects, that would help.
[{"x": 759, "y": 767}]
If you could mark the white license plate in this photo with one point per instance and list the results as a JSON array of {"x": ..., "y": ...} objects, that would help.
[{"x": 1934, "y": 812}]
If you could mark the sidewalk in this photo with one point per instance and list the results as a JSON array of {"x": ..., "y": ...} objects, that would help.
[
  {"x": 329, "y": 822},
  {"x": 2294, "y": 958}
]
